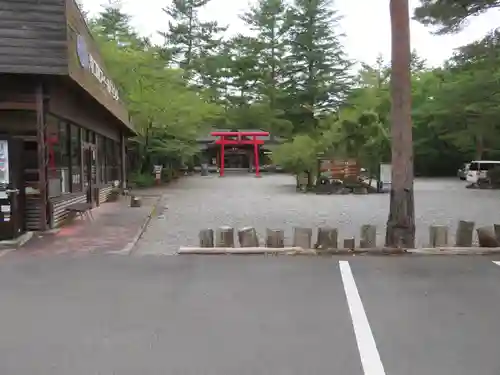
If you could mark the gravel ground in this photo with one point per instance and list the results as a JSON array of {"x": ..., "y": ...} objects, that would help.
[{"x": 194, "y": 203}]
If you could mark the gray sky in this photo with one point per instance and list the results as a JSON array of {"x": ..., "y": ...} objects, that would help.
[{"x": 366, "y": 24}]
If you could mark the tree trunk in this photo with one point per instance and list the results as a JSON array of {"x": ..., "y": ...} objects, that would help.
[
  {"x": 401, "y": 221},
  {"x": 479, "y": 147},
  {"x": 310, "y": 181},
  {"x": 145, "y": 157}
]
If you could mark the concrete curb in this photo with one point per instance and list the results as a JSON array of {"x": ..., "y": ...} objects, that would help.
[
  {"x": 9, "y": 246},
  {"x": 127, "y": 249},
  {"x": 456, "y": 251},
  {"x": 244, "y": 251},
  {"x": 327, "y": 252},
  {"x": 283, "y": 251}
]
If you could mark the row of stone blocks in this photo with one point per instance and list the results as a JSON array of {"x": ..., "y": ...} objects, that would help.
[{"x": 327, "y": 238}]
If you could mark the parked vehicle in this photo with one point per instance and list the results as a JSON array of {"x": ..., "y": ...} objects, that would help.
[
  {"x": 462, "y": 172},
  {"x": 478, "y": 169}
]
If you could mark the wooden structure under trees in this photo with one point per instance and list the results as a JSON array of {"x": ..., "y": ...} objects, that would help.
[{"x": 63, "y": 128}]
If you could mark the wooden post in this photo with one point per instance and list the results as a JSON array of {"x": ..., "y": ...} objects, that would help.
[
  {"x": 438, "y": 235},
  {"x": 206, "y": 237},
  {"x": 349, "y": 243},
  {"x": 275, "y": 238},
  {"x": 486, "y": 237},
  {"x": 368, "y": 236},
  {"x": 465, "y": 232},
  {"x": 247, "y": 237},
  {"x": 225, "y": 237},
  {"x": 401, "y": 221},
  {"x": 302, "y": 237},
  {"x": 327, "y": 238},
  {"x": 41, "y": 130}
]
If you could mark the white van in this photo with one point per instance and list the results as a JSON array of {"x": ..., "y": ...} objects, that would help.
[{"x": 479, "y": 169}]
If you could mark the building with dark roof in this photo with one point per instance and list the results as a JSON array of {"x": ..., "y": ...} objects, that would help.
[{"x": 63, "y": 127}]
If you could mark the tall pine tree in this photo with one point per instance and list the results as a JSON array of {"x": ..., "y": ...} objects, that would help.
[
  {"x": 317, "y": 67},
  {"x": 189, "y": 40},
  {"x": 450, "y": 15},
  {"x": 114, "y": 24},
  {"x": 267, "y": 19}
]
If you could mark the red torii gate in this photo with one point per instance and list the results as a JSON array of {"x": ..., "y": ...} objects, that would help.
[{"x": 222, "y": 141}]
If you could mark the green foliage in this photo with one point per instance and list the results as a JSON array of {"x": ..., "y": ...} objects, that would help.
[
  {"x": 299, "y": 155},
  {"x": 450, "y": 15},
  {"x": 168, "y": 115},
  {"x": 113, "y": 24},
  {"x": 290, "y": 76},
  {"x": 141, "y": 180},
  {"x": 268, "y": 20},
  {"x": 189, "y": 41},
  {"x": 317, "y": 67}
]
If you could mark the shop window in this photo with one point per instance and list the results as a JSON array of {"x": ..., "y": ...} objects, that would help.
[
  {"x": 89, "y": 136},
  {"x": 58, "y": 163},
  {"x": 110, "y": 160},
  {"x": 101, "y": 158},
  {"x": 76, "y": 157},
  {"x": 117, "y": 159},
  {"x": 63, "y": 160}
]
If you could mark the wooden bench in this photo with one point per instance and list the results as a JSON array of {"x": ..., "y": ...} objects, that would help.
[{"x": 84, "y": 210}]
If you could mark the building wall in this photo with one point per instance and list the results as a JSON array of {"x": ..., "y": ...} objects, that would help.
[
  {"x": 17, "y": 122},
  {"x": 33, "y": 37},
  {"x": 67, "y": 102},
  {"x": 49, "y": 38},
  {"x": 82, "y": 74}
]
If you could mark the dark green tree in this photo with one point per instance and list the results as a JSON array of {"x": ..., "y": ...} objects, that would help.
[
  {"x": 243, "y": 70},
  {"x": 113, "y": 24},
  {"x": 317, "y": 67},
  {"x": 189, "y": 42},
  {"x": 449, "y": 16},
  {"x": 268, "y": 20}
]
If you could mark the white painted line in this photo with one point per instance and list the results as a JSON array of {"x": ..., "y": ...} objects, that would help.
[
  {"x": 496, "y": 262},
  {"x": 368, "y": 352}
]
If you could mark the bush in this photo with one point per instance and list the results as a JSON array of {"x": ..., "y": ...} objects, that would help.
[
  {"x": 167, "y": 174},
  {"x": 142, "y": 180}
]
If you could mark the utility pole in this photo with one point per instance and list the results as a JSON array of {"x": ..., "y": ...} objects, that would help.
[{"x": 401, "y": 221}]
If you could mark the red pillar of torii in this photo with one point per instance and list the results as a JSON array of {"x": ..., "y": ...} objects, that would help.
[{"x": 222, "y": 141}]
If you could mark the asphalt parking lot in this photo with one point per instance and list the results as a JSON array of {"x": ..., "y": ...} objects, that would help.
[{"x": 99, "y": 314}]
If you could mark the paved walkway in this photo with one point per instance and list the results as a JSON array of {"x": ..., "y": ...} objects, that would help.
[
  {"x": 114, "y": 227},
  {"x": 240, "y": 200},
  {"x": 249, "y": 315}
]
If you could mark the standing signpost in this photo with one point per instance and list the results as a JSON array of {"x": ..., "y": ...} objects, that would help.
[
  {"x": 237, "y": 138},
  {"x": 157, "y": 172}
]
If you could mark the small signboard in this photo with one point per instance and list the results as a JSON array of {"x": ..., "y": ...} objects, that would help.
[
  {"x": 385, "y": 176},
  {"x": 341, "y": 168},
  {"x": 157, "y": 171}
]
